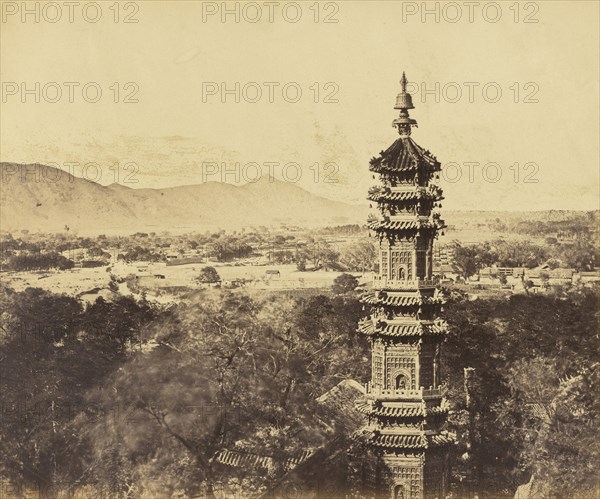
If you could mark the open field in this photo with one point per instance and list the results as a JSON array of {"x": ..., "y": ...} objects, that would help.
[{"x": 93, "y": 282}]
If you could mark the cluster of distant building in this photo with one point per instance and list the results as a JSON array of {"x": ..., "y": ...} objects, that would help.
[{"x": 518, "y": 279}]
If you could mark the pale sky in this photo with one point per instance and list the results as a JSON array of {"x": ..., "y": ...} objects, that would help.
[{"x": 171, "y": 54}]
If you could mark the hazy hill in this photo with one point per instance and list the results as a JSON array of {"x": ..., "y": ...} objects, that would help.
[{"x": 48, "y": 199}]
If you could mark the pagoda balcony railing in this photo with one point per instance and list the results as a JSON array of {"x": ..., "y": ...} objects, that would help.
[
  {"x": 407, "y": 188},
  {"x": 392, "y": 393},
  {"x": 382, "y": 282}
]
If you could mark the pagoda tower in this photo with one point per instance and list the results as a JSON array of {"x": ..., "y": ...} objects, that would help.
[{"x": 405, "y": 407}]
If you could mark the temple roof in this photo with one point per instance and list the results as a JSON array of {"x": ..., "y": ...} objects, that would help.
[
  {"x": 440, "y": 409},
  {"x": 376, "y": 409},
  {"x": 388, "y": 224},
  {"x": 443, "y": 438},
  {"x": 379, "y": 194},
  {"x": 337, "y": 409},
  {"x": 419, "y": 441},
  {"x": 404, "y": 412},
  {"x": 404, "y": 155},
  {"x": 400, "y": 299},
  {"x": 401, "y": 441},
  {"x": 381, "y": 327},
  {"x": 246, "y": 460}
]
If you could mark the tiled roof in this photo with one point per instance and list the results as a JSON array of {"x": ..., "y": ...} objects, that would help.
[
  {"x": 368, "y": 327},
  {"x": 248, "y": 460},
  {"x": 403, "y": 224},
  {"x": 364, "y": 407},
  {"x": 442, "y": 409},
  {"x": 400, "y": 300},
  {"x": 383, "y": 194},
  {"x": 335, "y": 409},
  {"x": 411, "y": 441},
  {"x": 399, "y": 441},
  {"x": 404, "y": 155},
  {"x": 444, "y": 438},
  {"x": 235, "y": 458},
  {"x": 337, "y": 406},
  {"x": 392, "y": 412}
]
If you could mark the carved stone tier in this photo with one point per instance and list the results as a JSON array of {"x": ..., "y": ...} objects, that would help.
[
  {"x": 396, "y": 394},
  {"x": 384, "y": 283},
  {"x": 404, "y": 401}
]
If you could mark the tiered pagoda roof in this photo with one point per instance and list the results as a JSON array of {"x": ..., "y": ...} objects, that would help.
[
  {"x": 372, "y": 408},
  {"x": 405, "y": 414},
  {"x": 403, "y": 225},
  {"x": 401, "y": 298},
  {"x": 388, "y": 195},
  {"x": 378, "y": 327},
  {"x": 417, "y": 411},
  {"x": 404, "y": 155},
  {"x": 395, "y": 440},
  {"x": 417, "y": 441}
]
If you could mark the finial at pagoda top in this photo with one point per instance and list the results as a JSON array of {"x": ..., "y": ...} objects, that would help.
[
  {"x": 404, "y": 103},
  {"x": 403, "y": 82}
]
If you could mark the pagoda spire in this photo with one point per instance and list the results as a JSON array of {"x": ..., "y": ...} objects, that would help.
[
  {"x": 404, "y": 103},
  {"x": 405, "y": 403},
  {"x": 403, "y": 82}
]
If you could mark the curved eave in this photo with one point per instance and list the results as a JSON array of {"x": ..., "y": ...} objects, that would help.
[
  {"x": 441, "y": 439},
  {"x": 385, "y": 299},
  {"x": 391, "y": 412},
  {"x": 382, "y": 328},
  {"x": 406, "y": 225},
  {"x": 403, "y": 196},
  {"x": 391, "y": 441},
  {"x": 438, "y": 411},
  {"x": 385, "y": 169},
  {"x": 404, "y": 155}
]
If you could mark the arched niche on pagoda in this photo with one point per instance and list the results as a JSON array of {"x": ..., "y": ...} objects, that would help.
[
  {"x": 401, "y": 380},
  {"x": 397, "y": 259}
]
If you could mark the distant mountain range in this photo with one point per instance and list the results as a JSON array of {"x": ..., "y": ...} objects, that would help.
[
  {"x": 43, "y": 198},
  {"x": 39, "y": 197}
]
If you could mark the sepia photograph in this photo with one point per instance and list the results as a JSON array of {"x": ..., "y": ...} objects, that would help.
[{"x": 300, "y": 249}]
